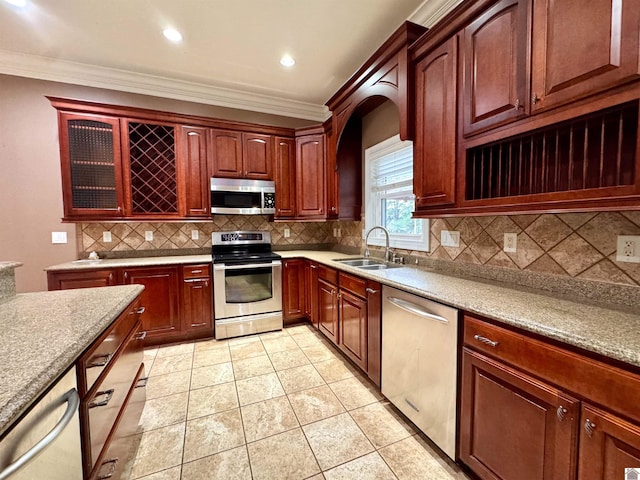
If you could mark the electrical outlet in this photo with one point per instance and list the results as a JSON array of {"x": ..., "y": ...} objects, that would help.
[
  {"x": 106, "y": 237},
  {"x": 335, "y": 232},
  {"x": 148, "y": 235},
  {"x": 510, "y": 242},
  {"x": 339, "y": 232},
  {"x": 58, "y": 237},
  {"x": 195, "y": 234},
  {"x": 287, "y": 233},
  {"x": 450, "y": 238},
  {"x": 628, "y": 248}
]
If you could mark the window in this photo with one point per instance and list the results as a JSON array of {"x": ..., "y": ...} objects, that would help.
[{"x": 389, "y": 198}]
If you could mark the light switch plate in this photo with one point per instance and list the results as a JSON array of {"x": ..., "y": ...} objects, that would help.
[
  {"x": 195, "y": 234},
  {"x": 287, "y": 233},
  {"x": 106, "y": 237},
  {"x": 148, "y": 235},
  {"x": 450, "y": 238},
  {"x": 510, "y": 242},
  {"x": 58, "y": 237}
]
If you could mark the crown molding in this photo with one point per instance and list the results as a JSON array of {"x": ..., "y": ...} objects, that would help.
[
  {"x": 45, "y": 68},
  {"x": 432, "y": 11}
]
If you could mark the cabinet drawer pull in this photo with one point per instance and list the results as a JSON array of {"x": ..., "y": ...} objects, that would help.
[
  {"x": 313, "y": 267},
  {"x": 96, "y": 362},
  {"x": 371, "y": 290},
  {"x": 108, "y": 396},
  {"x": 140, "y": 310},
  {"x": 112, "y": 468},
  {"x": 196, "y": 271},
  {"x": 561, "y": 412},
  {"x": 192, "y": 280},
  {"x": 126, "y": 276},
  {"x": 589, "y": 427},
  {"x": 141, "y": 335},
  {"x": 486, "y": 340},
  {"x": 142, "y": 382},
  {"x": 412, "y": 405}
]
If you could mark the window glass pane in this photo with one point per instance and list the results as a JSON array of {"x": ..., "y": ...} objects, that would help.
[{"x": 396, "y": 217}]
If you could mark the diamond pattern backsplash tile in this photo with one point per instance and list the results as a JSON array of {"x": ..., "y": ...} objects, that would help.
[{"x": 580, "y": 245}]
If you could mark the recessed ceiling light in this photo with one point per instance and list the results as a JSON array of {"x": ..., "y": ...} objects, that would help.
[
  {"x": 17, "y": 3},
  {"x": 172, "y": 34},
  {"x": 287, "y": 61}
]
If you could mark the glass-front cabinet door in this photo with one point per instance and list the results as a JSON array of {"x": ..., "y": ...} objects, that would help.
[{"x": 91, "y": 162}]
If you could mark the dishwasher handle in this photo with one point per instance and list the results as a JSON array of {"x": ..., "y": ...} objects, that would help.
[
  {"x": 416, "y": 309},
  {"x": 72, "y": 400}
]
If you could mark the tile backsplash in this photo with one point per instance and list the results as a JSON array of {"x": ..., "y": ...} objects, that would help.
[{"x": 571, "y": 245}]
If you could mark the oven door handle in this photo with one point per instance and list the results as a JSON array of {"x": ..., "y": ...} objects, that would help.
[{"x": 222, "y": 266}]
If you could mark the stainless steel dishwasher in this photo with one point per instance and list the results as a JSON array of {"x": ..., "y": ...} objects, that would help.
[{"x": 419, "y": 363}]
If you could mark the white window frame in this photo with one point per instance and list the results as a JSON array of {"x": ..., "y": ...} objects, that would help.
[{"x": 372, "y": 207}]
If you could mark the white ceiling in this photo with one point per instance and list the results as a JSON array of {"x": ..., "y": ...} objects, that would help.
[{"x": 229, "y": 55}]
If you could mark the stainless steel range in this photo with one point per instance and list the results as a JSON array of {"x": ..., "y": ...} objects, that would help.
[{"x": 247, "y": 284}]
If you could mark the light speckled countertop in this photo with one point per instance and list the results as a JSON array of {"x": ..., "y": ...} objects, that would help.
[
  {"x": 44, "y": 333},
  {"x": 609, "y": 332},
  {"x": 130, "y": 262}
]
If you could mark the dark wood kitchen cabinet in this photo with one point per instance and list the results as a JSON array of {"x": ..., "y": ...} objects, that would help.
[
  {"x": 161, "y": 318},
  {"x": 196, "y": 309},
  {"x": 293, "y": 290},
  {"x": 241, "y": 155},
  {"x": 495, "y": 66},
  {"x": 352, "y": 318},
  {"x": 328, "y": 302},
  {"x": 193, "y": 160},
  {"x": 285, "y": 178},
  {"x": 434, "y": 181},
  {"x": 91, "y": 163},
  {"x": 178, "y": 299},
  {"x": 546, "y": 394},
  {"x": 580, "y": 51},
  {"x": 311, "y": 292},
  {"x": 310, "y": 177}
]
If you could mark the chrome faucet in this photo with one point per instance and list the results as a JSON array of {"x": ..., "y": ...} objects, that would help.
[{"x": 387, "y": 252}]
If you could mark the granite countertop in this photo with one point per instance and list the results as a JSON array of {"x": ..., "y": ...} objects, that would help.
[
  {"x": 130, "y": 262},
  {"x": 44, "y": 333},
  {"x": 4, "y": 266},
  {"x": 608, "y": 331}
]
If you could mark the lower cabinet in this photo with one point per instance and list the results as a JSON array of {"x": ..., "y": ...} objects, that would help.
[
  {"x": 311, "y": 292},
  {"x": 293, "y": 290},
  {"x": 352, "y": 318},
  {"x": 527, "y": 409},
  {"x": 328, "y": 303},
  {"x": 178, "y": 299},
  {"x": 112, "y": 401}
]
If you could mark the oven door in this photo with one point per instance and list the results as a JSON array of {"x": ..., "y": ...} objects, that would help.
[{"x": 247, "y": 289}]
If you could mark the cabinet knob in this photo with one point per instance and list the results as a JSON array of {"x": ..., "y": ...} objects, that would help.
[
  {"x": 589, "y": 427},
  {"x": 126, "y": 276},
  {"x": 517, "y": 105},
  {"x": 561, "y": 412},
  {"x": 140, "y": 310},
  {"x": 535, "y": 99},
  {"x": 119, "y": 209}
]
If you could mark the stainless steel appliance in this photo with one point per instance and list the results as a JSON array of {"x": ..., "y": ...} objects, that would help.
[
  {"x": 247, "y": 284},
  {"x": 237, "y": 196},
  {"x": 419, "y": 363},
  {"x": 46, "y": 442}
]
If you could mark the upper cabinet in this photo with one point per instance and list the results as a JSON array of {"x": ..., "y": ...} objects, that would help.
[
  {"x": 580, "y": 49},
  {"x": 241, "y": 155},
  {"x": 310, "y": 177},
  {"x": 91, "y": 164},
  {"x": 545, "y": 114},
  {"x": 285, "y": 177},
  {"x": 495, "y": 66},
  {"x": 129, "y": 163}
]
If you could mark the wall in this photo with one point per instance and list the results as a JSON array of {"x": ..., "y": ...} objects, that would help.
[{"x": 30, "y": 184}]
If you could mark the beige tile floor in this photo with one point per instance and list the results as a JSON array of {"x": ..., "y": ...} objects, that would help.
[{"x": 281, "y": 405}]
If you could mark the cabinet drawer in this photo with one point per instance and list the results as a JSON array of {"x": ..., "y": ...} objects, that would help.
[
  {"x": 606, "y": 385},
  {"x": 328, "y": 274},
  {"x": 124, "y": 442},
  {"x": 355, "y": 285},
  {"x": 95, "y": 360},
  {"x": 196, "y": 271},
  {"x": 104, "y": 402}
]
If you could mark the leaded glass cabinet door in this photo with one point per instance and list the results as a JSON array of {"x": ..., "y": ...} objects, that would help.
[
  {"x": 151, "y": 173},
  {"x": 91, "y": 165}
]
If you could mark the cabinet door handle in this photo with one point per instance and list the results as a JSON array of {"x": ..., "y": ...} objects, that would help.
[
  {"x": 313, "y": 267},
  {"x": 486, "y": 340},
  {"x": 126, "y": 276},
  {"x": 141, "y": 335},
  {"x": 589, "y": 427},
  {"x": 119, "y": 209},
  {"x": 371, "y": 290},
  {"x": 111, "y": 278},
  {"x": 96, "y": 362},
  {"x": 112, "y": 469},
  {"x": 108, "y": 395},
  {"x": 142, "y": 382},
  {"x": 561, "y": 412},
  {"x": 140, "y": 310}
]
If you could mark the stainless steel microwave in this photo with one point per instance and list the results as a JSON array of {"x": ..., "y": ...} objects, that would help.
[{"x": 237, "y": 196}]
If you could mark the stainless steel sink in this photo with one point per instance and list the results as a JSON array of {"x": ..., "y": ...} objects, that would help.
[{"x": 366, "y": 263}]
